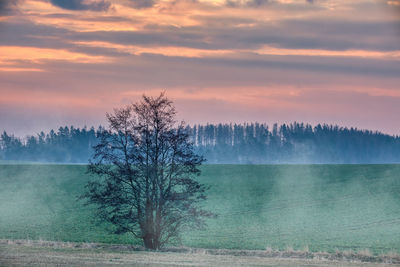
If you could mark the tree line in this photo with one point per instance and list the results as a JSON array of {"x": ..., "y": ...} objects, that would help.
[
  {"x": 255, "y": 143},
  {"x": 248, "y": 143},
  {"x": 67, "y": 145}
]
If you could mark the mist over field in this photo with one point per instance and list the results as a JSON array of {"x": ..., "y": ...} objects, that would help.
[
  {"x": 248, "y": 143},
  {"x": 319, "y": 207}
]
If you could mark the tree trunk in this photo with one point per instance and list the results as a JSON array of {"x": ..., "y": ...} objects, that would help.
[
  {"x": 148, "y": 241},
  {"x": 151, "y": 241},
  {"x": 150, "y": 229}
]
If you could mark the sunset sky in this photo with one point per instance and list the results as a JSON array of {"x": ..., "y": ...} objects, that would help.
[{"x": 68, "y": 62}]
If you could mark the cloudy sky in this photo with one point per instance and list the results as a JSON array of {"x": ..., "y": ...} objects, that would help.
[{"x": 66, "y": 62}]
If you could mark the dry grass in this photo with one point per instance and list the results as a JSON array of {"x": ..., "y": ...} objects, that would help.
[
  {"x": 365, "y": 253},
  {"x": 40, "y": 252},
  {"x": 391, "y": 257}
]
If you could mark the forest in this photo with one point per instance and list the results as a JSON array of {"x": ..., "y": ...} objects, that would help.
[{"x": 249, "y": 143}]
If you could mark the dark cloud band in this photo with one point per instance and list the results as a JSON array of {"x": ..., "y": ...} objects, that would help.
[
  {"x": 139, "y": 4},
  {"x": 8, "y": 6},
  {"x": 82, "y": 5}
]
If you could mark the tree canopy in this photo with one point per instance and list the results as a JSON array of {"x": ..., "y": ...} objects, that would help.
[{"x": 145, "y": 169}]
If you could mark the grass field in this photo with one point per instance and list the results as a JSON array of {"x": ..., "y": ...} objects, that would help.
[{"x": 307, "y": 207}]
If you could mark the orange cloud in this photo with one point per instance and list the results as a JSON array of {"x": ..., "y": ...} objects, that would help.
[
  {"x": 11, "y": 69},
  {"x": 47, "y": 100},
  {"x": 269, "y": 50},
  {"x": 254, "y": 97},
  {"x": 265, "y": 50},
  {"x": 37, "y": 55},
  {"x": 393, "y": 3},
  {"x": 160, "y": 50}
]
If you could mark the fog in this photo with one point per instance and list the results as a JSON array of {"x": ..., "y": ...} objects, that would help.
[{"x": 315, "y": 207}]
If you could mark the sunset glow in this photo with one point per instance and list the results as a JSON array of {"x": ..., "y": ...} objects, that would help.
[{"x": 68, "y": 62}]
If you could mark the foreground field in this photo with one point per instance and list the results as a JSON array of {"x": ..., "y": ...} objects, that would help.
[
  {"x": 42, "y": 253},
  {"x": 307, "y": 207}
]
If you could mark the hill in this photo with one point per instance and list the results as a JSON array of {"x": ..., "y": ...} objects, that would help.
[{"x": 319, "y": 207}]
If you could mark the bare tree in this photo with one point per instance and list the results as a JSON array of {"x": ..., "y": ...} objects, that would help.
[{"x": 145, "y": 170}]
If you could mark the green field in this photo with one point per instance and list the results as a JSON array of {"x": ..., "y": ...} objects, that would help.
[{"x": 322, "y": 207}]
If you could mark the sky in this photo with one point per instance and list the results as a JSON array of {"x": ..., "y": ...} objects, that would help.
[{"x": 68, "y": 62}]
